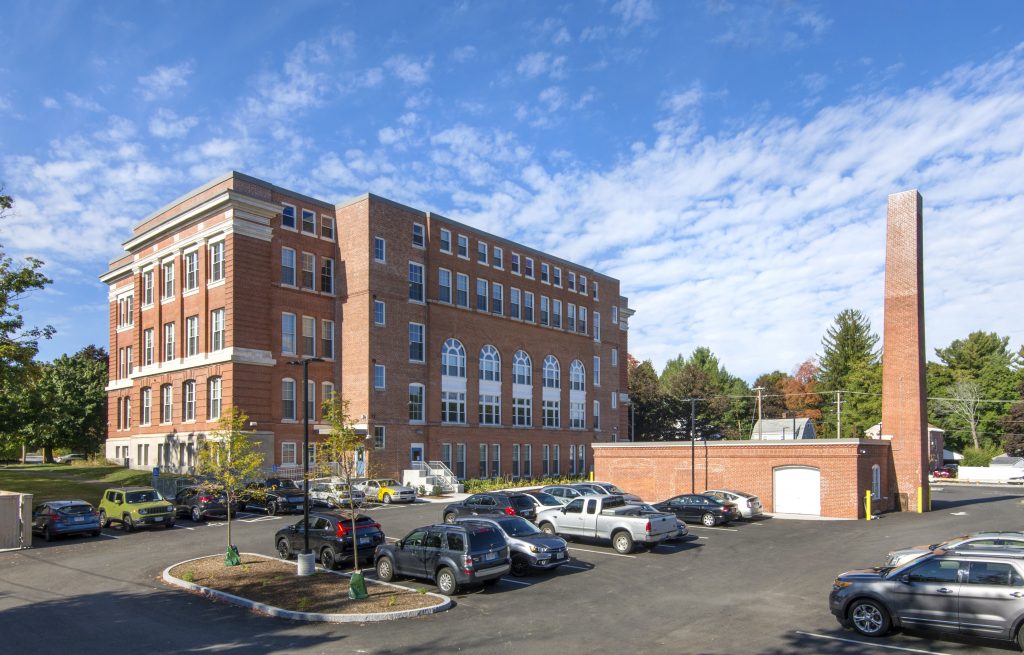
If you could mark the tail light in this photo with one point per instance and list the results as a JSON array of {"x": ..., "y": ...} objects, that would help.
[
  {"x": 647, "y": 528},
  {"x": 510, "y": 511},
  {"x": 54, "y": 517},
  {"x": 205, "y": 499},
  {"x": 343, "y": 530},
  {"x": 750, "y": 503},
  {"x": 467, "y": 564}
]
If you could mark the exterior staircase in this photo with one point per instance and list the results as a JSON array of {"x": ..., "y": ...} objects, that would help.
[{"x": 431, "y": 474}]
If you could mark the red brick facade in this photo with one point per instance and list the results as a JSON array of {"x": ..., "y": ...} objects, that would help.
[{"x": 258, "y": 294}]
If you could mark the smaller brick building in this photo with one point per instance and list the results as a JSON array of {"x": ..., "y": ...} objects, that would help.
[{"x": 831, "y": 475}]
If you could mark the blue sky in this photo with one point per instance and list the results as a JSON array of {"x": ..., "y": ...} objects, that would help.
[{"x": 728, "y": 161}]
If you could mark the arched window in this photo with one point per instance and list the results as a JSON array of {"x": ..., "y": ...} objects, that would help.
[
  {"x": 577, "y": 376},
  {"x": 876, "y": 482},
  {"x": 552, "y": 373},
  {"x": 490, "y": 364},
  {"x": 453, "y": 359},
  {"x": 521, "y": 365}
]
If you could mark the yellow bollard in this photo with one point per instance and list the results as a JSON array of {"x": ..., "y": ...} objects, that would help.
[
  {"x": 591, "y": 476},
  {"x": 867, "y": 505},
  {"x": 920, "y": 500}
]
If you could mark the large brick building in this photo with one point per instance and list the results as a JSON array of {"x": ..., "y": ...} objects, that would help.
[{"x": 449, "y": 343}]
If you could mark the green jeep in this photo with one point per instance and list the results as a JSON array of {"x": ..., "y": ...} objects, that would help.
[{"x": 134, "y": 507}]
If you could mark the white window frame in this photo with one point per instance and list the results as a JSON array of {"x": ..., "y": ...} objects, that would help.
[
  {"x": 462, "y": 246},
  {"x": 191, "y": 336},
  {"x": 379, "y": 377},
  {"x": 327, "y": 339},
  {"x": 288, "y": 281},
  {"x": 422, "y": 342},
  {"x": 482, "y": 253},
  {"x": 286, "y": 347},
  {"x": 289, "y": 405},
  {"x": 215, "y": 252},
  {"x": 190, "y": 263},
  {"x": 309, "y": 336},
  {"x": 413, "y": 284},
  {"x": 420, "y": 234},
  {"x": 311, "y": 215},
  {"x": 417, "y": 391},
  {"x": 446, "y": 237},
  {"x": 498, "y": 258},
  {"x": 214, "y": 391},
  {"x": 442, "y": 273},
  {"x": 380, "y": 250},
  {"x": 294, "y": 227},
  {"x": 379, "y": 304}
]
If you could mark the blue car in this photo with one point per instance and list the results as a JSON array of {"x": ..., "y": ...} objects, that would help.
[{"x": 57, "y": 517}]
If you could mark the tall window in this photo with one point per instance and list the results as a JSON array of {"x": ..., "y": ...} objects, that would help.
[
  {"x": 213, "y": 395},
  {"x": 545, "y": 460},
  {"x": 378, "y": 376},
  {"x": 481, "y": 294},
  {"x": 125, "y": 312},
  {"x": 328, "y": 391},
  {"x": 463, "y": 246},
  {"x": 378, "y": 312},
  {"x": 583, "y": 284},
  {"x": 308, "y": 270},
  {"x": 191, "y": 270},
  {"x": 552, "y": 411},
  {"x": 308, "y": 222},
  {"x": 327, "y": 227},
  {"x": 556, "y": 313},
  {"x": 311, "y": 400},
  {"x": 145, "y": 406},
  {"x": 166, "y": 403},
  {"x": 288, "y": 333},
  {"x": 288, "y": 216},
  {"x": 416, "y": 400},
  {"x": 528, "y": 267},
  {"x": 462, "y": 290},
  {"x": 597, "y": 326},
  {"x": 416, "y": 342},
  {"x": 528, "y": 306},
  {"x": 460, "y": 460},
  {"x": 481, "y": 252},
  {"x": 572, "y": 281},
  {"x": 191, "y": 336},
  {"x": 168, "y": 342},
  {"x": 545, "y": 273},
  {"x": 551, "y": 373},
  {"x": 556, "y": 455},
  {"x": 545, "y": 310},
  {"x": 570, "y": 317},
  {"x": 147, "y": 288},
  {"x": 453, "y": 406},
  {"x": 147, "y": 347},
  {"x": 522, "y": 412},
  {"x": 577, "y": 376},
  {"x": 521, "y": 373},
  {"x": 483, "y": 460},
  {"x": 446, "y": 241},
  {"x": 417, "y": 235},
  {"x": 167, "y": 275},
  {"x": 490, "y": 364},
  {"x": 379, "y": 437},
  {"x": 597, "y": 414},
  {"x": 595, "y": 294},
  {"x": 444, "y": 285},
  {"x": 490, "y": 409},
  {"x": 581, "y": 323},
  {"x": 415, "y": 282},
  {"x": 876, "y": 482},
  {"x": 515, "y": 461},
  {"x": 514, "y": 266},
  {"x": 615, "y": 400},
  {"x": 496, "y": 298},
  {"x": 514, "y": 302},
  {"x": 572, "y": 459},
  {"x": 217, "y": 329},
  {"x": 497, "y": 257},
  {"x": 379, "y": 250},
  {"x": 527, "y": 461},
  {"x": 495, "y": 459},
  {"x": 615, "y": 357},
  {"x": 556, "y": 277},
  {"x": 188, "y": 407},
  {"x": 309, "y": 336},
  {"x": 615, "y": 314},
  {"x": 597, "y": 371},
  {"x": 327, "y": 275},
  {"x": 327, "y": 339},
  {"x": 446, "y": 455},
  {"x": 288, "y": 266},
  {"x": 453, "y": 359},
  {"x": 577, "y": 419},
  {"x": 288, "y": 399}
]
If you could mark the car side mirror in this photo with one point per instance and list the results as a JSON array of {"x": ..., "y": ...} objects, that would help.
[
  {"x": 564, "y": 508},
  {"x": 118, "y": 501},
  {"x": 905, "y": 578},
  {"x": 400, "y": 543}
]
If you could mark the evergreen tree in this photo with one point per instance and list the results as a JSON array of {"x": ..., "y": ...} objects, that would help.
[{"x": 849, "y": 345}]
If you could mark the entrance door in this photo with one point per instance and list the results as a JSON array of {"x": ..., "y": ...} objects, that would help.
[
  {"x": 797, "y": 490},
  {"x": 415, "y": 454}
]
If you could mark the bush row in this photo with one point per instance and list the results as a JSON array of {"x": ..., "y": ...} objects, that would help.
[{"x": 494, "y": 484}]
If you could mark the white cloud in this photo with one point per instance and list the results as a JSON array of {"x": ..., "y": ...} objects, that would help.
[
  {"x": 50, "y": 103},
  {"x": 634, "y": 12},
  {"x": 412, "y": 72},
  {"x": 541, "y": 63},
  {"x": 464, "y": 53},
  {"x": 165, "y": 124},
  {"x": 164, "y": 81},
  {"x": 391, "y": 135},
  {"x": 78, "y": 102},
  {"x": 561, "y": 37}
]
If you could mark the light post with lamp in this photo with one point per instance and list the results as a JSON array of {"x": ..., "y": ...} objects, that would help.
[{"x": 307, "y": 563}]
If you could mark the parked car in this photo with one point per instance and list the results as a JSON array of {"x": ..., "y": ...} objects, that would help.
[
  {"x": 387, "y": 491},
  {"x": 749, "y": 505},
  {"x": 565, "y": 493},
  {"x": 135, "y": 507},
  {"x": 33, "y": 458},
  {"x": 976, "y": 541},
  {"x": 452, "y": 555},
  {"x": 605, "y": 489},
  {"x": 530, "y": 548},
  {"x": 965, "y": 592},
  {"x": 646, "y": 508},
  {"x": 608, "y": 517},
  {"x": 508, "y": 504},
  {"x": 200, "y": 504},
  {"x": 707, "y": 510},
  {"x": 275, "y": 495},
  {"x": 331, "y": 538},
  {"x": 57, "y": 517},
  {"x": 333, "y": 493},
  {"x": 67, "y": 459},
  {"x": 542, "y": 500}
]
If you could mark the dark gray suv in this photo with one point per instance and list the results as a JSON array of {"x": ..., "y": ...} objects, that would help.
[
  {"x": 968, "y": 592},
  {"x": 453, "y": 556},
  {"x": 530, "y": 547}
]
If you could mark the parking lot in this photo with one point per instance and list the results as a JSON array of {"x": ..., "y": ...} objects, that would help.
[{"x": 757, "y": 587}]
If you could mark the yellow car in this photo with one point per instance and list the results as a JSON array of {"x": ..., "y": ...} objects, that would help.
[{"x": 388, "y": 491}]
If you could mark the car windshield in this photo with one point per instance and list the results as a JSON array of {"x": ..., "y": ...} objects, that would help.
[
  {"x": 149, "y": 496},
  {"x": 518, "y": 527},
  {"x": 485, "y": 539},
  {"x": 521, "y": 501},
  {"x": 612, "y": 489},
  {"x": 389, "y": 483},
  {"x": 546, "y": 499},
  {"x": 76, "y": 509}
]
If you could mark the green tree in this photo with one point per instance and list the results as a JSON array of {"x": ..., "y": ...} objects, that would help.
[
  {"x": 862, "y": 408},
  {"x": 773, "y": 394},
  {"x": 228, "y": 457},
  {"x": 1013, "y": 425},
  {"x": 652, "y": 417},
  {"x": 21, "y": 406},
  {"x": 723, "y": 406},
  {"x": 978, "y": 350},
  {"x": 72, "y": 408},
  {"x": 848, "y": 344}
]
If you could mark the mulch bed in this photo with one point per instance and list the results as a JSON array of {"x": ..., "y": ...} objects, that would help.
[{"x": 273, "y": 582}]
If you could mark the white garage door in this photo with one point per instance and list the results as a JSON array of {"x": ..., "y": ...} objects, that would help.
[{"x": 798, "y": 490}]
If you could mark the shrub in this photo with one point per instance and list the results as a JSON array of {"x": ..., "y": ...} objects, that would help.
[
  {"x": 436, "y": 491},
  {"x": 304, "y": 603},
  {"x": 495, "y": 484},
  {"x": 189, "y": 576},
  {"x": 981, "y": 456},
  {"x": 421, "y": 490}
]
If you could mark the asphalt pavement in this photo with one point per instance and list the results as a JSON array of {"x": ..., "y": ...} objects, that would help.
[{"x": 748, "y": 587}]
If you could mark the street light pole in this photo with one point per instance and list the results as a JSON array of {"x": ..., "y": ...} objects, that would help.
[
  {"x": 305, "y": 448},
  {"x": 693, "y": 436}
]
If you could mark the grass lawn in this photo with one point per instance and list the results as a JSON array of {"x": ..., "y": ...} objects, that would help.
[{"x": 61, "y": 481}]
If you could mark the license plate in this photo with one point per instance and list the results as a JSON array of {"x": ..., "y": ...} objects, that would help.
[
  {"x": 490, "y": 556},
  {"x": 158, "y": 519},
  {"x": 79, "y": 519},
  {"x": 364, "y": 540},
  {"x": 559, "y": 555}
]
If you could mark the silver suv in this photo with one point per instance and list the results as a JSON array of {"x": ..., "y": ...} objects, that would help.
[
  {"x": 968, "y": 591},
  {"x": 976, "y": 541}
]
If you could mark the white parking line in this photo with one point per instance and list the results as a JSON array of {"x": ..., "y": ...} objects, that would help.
[
  {"x": 707, "y": 527},
  {"x": 525, "y": 584},
  {"x": 577, "y": 568},
  {"x": 112, "y": 536},
  {"x": 182, "y": 527},
  {"x": 870, "y": 643},
  {"x": 601, "y": 552}
]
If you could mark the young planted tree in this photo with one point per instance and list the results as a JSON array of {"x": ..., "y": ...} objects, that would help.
[
  {"x": 229, "y": 457},
  {"x": 341, "y": 447}
]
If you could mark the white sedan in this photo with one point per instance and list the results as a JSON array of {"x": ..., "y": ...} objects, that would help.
[{"x": 748, "y": 504}]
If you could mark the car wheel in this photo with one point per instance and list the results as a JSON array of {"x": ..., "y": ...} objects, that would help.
[
  {"x": 271, "y": 508},
  {"x": 869, "y": 618},
  {"x": 283, "y": 550},
  {"x": 127, "y": 523},
  {"x": 197, "y": 516},
  {"x": 1020, "y": 637},
  {"x": 446, "y": 581},
  {"x": 387, "y": 499},
  {"x": 385, "y": 569},
  {"x": 327, "y": 559},
  {"x": 547, "y": 528},
  {"x": 708, "y": 519},
  {"x": 449, "y": 517},
  {"x": 622, "y": 542},
  {"x": 520, "y": 566},
  {"x": 47, "y": 535},
  {"x": 491, "y": 582},
  {"x": 104, "y": 522}
]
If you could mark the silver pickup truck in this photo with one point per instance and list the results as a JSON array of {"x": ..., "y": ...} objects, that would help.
[{"x": 608, "y": 517}]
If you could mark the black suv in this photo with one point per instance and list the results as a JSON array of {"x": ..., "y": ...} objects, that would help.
[
  {"x": 273, "y": 494},
  {"x": 453, "y": 556},
  {"x": 508, "y": 504},
  {"x": 330, "y": 538},
  {"x": 200, "y": 504},
  {"x": 967, "y": 592}
]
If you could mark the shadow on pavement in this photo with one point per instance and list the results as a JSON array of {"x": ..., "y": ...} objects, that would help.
[
  {"x": 938, "y": 503},
  {"x": 842, "y": 642}
]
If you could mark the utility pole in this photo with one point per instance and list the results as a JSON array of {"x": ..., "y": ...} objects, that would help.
[
  {"x": 760, "y": 429},
  {"x": 839, "y": 415},
  {"x": 693, "y": 455}
]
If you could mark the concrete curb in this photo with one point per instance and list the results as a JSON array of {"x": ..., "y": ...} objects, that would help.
[{"x": 270, "y": 610}]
